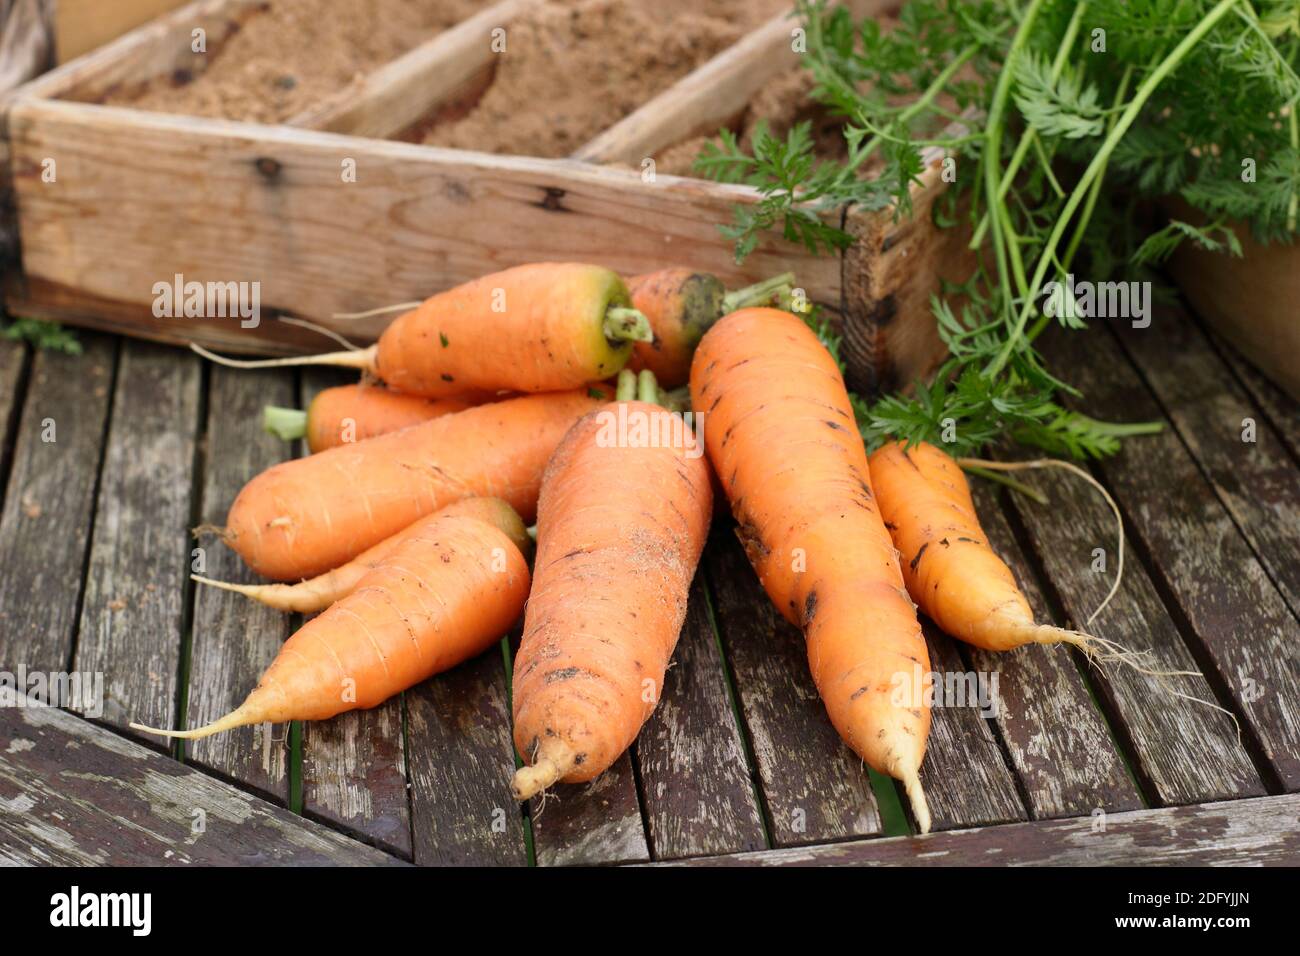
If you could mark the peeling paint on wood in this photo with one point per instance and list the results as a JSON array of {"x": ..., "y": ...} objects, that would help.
[
  {"x": 1259, "y": 832},
  {"x": 126, "y": 805}
]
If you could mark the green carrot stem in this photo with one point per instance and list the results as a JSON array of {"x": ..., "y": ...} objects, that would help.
[
  {"x": 1010, "y": 482},
  {"x": 623, "y": 324},
  {"x": 284, "y": 423},
  {"x": 1094, "y": 169},
  {"x": 626, "y": 389},
  {"x": 1030, "y": 137},
  {"x": 647, "y": 387},
  {"x": 758, "y": 293}
]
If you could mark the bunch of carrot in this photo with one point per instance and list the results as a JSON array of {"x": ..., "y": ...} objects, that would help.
[{"x": 492, "y": 404}]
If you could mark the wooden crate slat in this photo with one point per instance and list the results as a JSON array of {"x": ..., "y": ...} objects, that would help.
[
  {"x": 133, "y": 609},
  {"x": 354, "y": 766},
  {"x": 1256, "y": 480},
  {"x": 702, "y": 101},
  {"x": 711, "y": 96},
  {"x": 158, "y": 48},
  {"x": 234, "y": 639},
  {"x": 695, "y": 777},
  {"x": 79, "y": 795},
  {"x": 1185, "y": 751},
  {"x": 49, "y": 504},
  {"x": 591, "y": 824},
  {"x": 269, "y": 204},
  {"x": 1259, "y": 832},
  {"x": 1236, "y": 613},
  {"x": 1058, "y": 742},
  {"x": 398, "y": 94},
  {"x": 814, "y": 788},
  {"x": 966, "y": 778},
  {"x": 461, "y": 761}
]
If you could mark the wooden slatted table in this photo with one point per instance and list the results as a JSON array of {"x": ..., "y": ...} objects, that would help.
[{"x": 109, "y": 459}]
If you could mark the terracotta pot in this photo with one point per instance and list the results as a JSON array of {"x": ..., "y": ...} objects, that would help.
[{"x": 1253, "y": 302}]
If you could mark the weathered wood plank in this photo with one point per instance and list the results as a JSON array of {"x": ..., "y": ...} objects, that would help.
[
  {"x": 1185, "y": 751},
  {"x": 1260, "y": 832},
  {"x": 13, "y": 361},
  {"x": 591, "y": 824},
  {"x": 695, "y": 778},
  {"x": 461, "y": 761},
  {"x": 1256, "y": 480},
  {"x": 233, "y": 639},
  {"x": 1201, "y": 559},
  {"x": 966, "y": 778},
  {"x": 73, "y": 794},
  {"x": 45, "y": 526},
  {"x": 1282, "y": 410},
  {"x": 1058, "y": 742},
  {"x": 277, "y": 210},
  {"x": 814, "y": 788},
  {"x": 132, "y": 613},
  {"x": 354, "y": 766}
]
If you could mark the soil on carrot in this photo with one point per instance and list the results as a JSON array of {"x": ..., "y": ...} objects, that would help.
[
  {"x": 572, "y": 68},
  {"x": 284, "y": 56},
  {"x": 784, "y": 102}
]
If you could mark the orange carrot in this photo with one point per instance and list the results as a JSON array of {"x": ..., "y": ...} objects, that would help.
[
  {"x": 438, "y": 599},
  {"x": 318, "y": 593},
  {"x": 350, "y": 413},
  {"x": 536, "y": 328},
  {"x": 681, "y": 305},
  {"x": 621, "y": 524},
  {"x": 951, "y": 572},
  {"x": 301, "y": 518},
  {"x": 781, "y": 435}
]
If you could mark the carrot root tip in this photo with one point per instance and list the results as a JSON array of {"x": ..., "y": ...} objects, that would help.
[
  {"x": 911, "y": 780},
  {"x": 241, "y": 716},
  {"x": 548, "y": 767}
]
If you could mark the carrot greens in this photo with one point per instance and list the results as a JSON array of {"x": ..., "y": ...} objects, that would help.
[{"x": 1062, "y": 121}]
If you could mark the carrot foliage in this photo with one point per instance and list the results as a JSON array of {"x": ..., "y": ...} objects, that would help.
[{"x": 1071, "y": 115}]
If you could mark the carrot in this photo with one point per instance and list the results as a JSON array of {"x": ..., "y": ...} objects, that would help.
[
  {"x": 439, "y": 598},
  {"x": 535, "y": 328},
  {"x": 301, "y": 518},
  {"x": 350, "y": 413},
  {"x": 318, "y": 593},
  {"x": 781, "y": 435},
  {"x": 681, "y": 305},
  {"x": 621, "y": 523},
  {"x": 952, "y": 573}
]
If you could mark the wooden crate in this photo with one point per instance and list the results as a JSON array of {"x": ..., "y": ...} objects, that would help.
[{"x": 141, "y": 196}]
